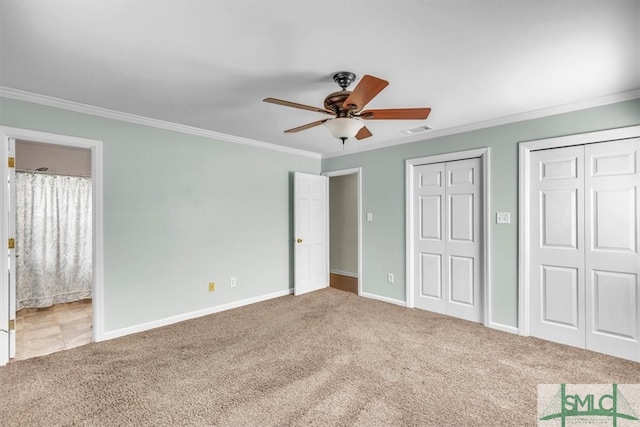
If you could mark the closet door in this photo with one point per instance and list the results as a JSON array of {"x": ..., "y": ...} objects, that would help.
[
  {"x": 429, "y": 230},
  {"x": 448, "y": 238},
  {"x": 557, "y": 251},
  {"x": 613, "y": 263},
  {"x": 463, "y": 248}
]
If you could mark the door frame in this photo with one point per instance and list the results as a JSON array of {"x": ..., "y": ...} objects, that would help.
[
  {"x": 358, "y": 173},
  {"x": 95, "y": 146},
  {"x": 524, "y": 194},
  {"x": 483, "y": 154}
]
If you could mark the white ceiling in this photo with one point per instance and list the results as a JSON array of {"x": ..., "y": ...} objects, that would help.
[{"x": 209, "y": 64}]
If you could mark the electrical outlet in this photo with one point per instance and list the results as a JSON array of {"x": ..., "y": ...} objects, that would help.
[
  {"x": 212, "y": 287},
  {"x": 232, "y": 282},
  {"x": 390, "y": 278},
  {"x": 503, "y": 217}
]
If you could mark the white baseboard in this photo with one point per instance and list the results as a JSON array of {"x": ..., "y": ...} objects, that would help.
[
  {"x": 385, "y": 299},
  {"x": 192, "y": 315},
  {"x": 504, "y": 328},
  {"x": 344, "y": 273}
]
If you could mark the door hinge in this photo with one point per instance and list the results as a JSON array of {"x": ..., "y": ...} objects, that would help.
[
  {"x": 12, "y": 243},
  {"x": 12, "y": 324},
  {"x": 12, "y": 162}
]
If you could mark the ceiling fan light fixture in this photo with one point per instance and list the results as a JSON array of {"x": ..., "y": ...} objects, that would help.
[
  {"x": 347, "y": 108},
  {"x": 343, "y": 128}
]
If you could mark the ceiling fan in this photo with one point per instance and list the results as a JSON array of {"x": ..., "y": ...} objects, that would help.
[{"x": 347, "y": 107}]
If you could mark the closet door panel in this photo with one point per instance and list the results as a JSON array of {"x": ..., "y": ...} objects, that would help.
[
  {"x": 557, "y": 245},
  {"x": 463, "y": 249},
  {"x": 612, "y": 259},
  {"x": 428, "y": 216}
]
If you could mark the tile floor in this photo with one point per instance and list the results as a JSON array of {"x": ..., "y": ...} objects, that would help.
[{"x": 41, "y": 331}]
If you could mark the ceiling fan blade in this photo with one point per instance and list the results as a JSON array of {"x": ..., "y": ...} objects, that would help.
[
  {"x": 307, "y": 126},
  {"x": 366, "y": 90},
  {"x": 363, "y": 133},
  {"x": 396, "y": 114},
  {"x": 296, "y": 105}
]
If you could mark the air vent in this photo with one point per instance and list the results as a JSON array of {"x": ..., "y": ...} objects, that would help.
[{"x": 423, "y": 128}]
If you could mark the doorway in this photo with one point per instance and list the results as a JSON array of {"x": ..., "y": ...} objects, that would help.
[
  {"x": 343, "y": 233},
  {"x": 10, "y": 326},
  {"x": 53, "y": 250},
  {"x": 345, "y": 230}
]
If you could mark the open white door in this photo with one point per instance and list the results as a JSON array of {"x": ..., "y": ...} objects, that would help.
[
  {"x": 12, "y": 251},
  {"x": 7, "y": 290},
  {"x": 311, "y": 232}
]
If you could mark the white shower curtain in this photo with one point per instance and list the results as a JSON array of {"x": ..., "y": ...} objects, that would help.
[{"x": 53, "y": 239}]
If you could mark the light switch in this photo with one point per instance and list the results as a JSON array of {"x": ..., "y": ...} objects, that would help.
[
  {"x": 369, "y": 216},
  {"x": 503, "y": 217}
]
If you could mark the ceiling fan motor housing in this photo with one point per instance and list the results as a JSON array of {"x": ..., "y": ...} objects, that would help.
[{"x": 335, "y": 101}]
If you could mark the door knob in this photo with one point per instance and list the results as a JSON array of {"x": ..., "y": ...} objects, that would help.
[{"x": 299, "y": 240}]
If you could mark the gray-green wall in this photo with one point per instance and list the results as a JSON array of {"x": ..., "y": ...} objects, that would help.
[
  {"x": 181, "y": 211},
  {"x": 383, "y": 194}
]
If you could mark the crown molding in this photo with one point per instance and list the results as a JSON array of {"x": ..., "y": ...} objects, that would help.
[
  {"x": 499, "y": 121},
  {"x": 78, "y": 107},
  {"x": 50, "y": 101}
]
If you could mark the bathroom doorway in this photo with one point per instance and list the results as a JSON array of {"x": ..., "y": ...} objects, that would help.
[{"x": 53, "y": 251}]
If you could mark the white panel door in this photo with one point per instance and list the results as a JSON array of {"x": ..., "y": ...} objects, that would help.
[
  {"x": 612, "y": 259},
  {"x": 12, "y": 252},
  {"x": 429, "y": 183},
  {"x": 557, "y": 239},
  {"x": 448, "y": 238},
  {"x": 463, "y": 253},
  {"x": 311, "y": 230}
]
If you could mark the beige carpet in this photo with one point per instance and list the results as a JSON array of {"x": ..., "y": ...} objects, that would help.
[{"x": 329, "y": 358}]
